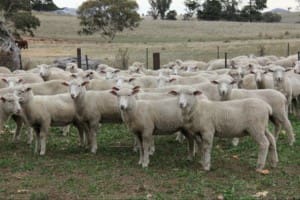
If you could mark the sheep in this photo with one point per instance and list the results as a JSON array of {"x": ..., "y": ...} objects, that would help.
[
  {"x": 92, "y": 108},
  {"x": 216, "y": 64},
  {"x": 177, "y": 80},
  {"x": 282, "y": 83},
  {"x": 73, "y": 68},
  {"x": 23, "y": 77},
  {"x": 206, "y": 119},
  {"x": 297, "y": 67},
  {"x": 275, "y": 99},
  {"x": 146, "y": 118},
  {"x": 192, "y": 65},
  {"x": 263, "y": 79},
  {"x": 4, "y": 70},
  {"x": 10, "y": 82},
  {"x": 48, "y": 73},
  {"x": 9, "y": 105},
  {"x": 41, "y": 112}
]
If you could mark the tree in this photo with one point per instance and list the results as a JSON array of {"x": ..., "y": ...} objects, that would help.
[
  {"x": 252, "y": 11},
  {"x": 15, "y": 17},
  {"x": 212, "y": 10},
  {"x": 191, "y": 8},
  {"x": 230, "y": 10},
  {"x": 153, "y": 10},
  {"x": 43, "y": 5},
  {"x": 162, "y": 6},
  {"x": 171, "y": 15},
  {"x": 108, "y": 17}
]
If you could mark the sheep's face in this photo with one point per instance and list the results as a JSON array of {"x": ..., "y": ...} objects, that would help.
[
  {"x": 133, "y": 69},
  {"x": 176, "y": 69},
  {"x": 110, "y": 74},
  {"x": 72, "y": 67},
  {"x": 76, "y": 87},
  {"x": 24, "y": 94},
  {"x": 192, "y": 69},
  {"x": 165, "y": 72},
  {"x": 121, "y": 80},
  {"x": 11, "y": 104},
  {"x": 235, "y": 74},
  {"x": 163, "y": 81},
  {"x": 224, "y": 86},
  {"x": 259, "y": 75},
  {"x": 12, "y": 81},
  {"x": 297, "y": 67},
  {"x": 44, "y": 70},
  {"x": 279, "y": 73},
  {"x": 186, "y": 97},
  {"x": 126, "y": 97}
]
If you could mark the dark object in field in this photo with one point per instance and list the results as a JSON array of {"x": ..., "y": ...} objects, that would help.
[
  {"x": 61, "y": 62},
  {"x": 22, "y": 44}
]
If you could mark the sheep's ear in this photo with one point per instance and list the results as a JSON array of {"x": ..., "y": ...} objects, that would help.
[
  {"x": 173, "y": 92},
  {"x": 197, "y": 92},
  {"x": 233, "y": 82},
  {"x": 115, "y": 89},
  {"x": 131, "y": 79},
  {"x": 136, "y": 88},
  {"x": 73, "y": 75},
  {"x": 270, "y": 70},
  {"x": 65, "y": 83},
  {"x": 28, "y": 89},
  {"x": 252, "y": 72},
  {"x": 266, "y": 71},
  {"x": 113, "y": 92},
  {"x": 117, "y": 71},
  {"x": 102, "y": 71},
  {"x": 215, "y": 82},
  {"x": 85, "y": 83},
  {"x": 172, "y": 79},
  {"x": 4, "y": 80},
  {"x": 251, "y": 66},
  {"x": 135, "y": 91},
  {"x": 3, "y": 99},
  {"x": 288, "y": 69},
  {"x": 20, "y": 80}
]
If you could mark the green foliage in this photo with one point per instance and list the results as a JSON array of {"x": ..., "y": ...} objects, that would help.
[
  {"x": 43, "y": 5},
  {"x": 17, "y": 14},
  {"x": 171, "y": 15},
  {"x": 271, "y": 17},
  {"x": 108, "y": 17},
  {"x": 191, "y": 8},
  {"x": 162, "y": 6},
  {"x": 211, "y": 10}
]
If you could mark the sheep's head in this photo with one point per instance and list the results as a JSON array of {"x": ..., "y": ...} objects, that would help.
[
  {"x": 121, "y": 80},
  {"x": 44, "y": 70},
  {"x": 25, "y": 93},
  {"x": 187, "y": 97},
  {"x": 77, "y": 87},
  {"x": 297, "y": 67},
  {"x": 259, "y": 74},
  {"x": 163, "y": 81},
  {"x": 224, "y": 86},
  {"x": 126, "y": 97},
  {"x": 279, "y": 73},
  {"x": 12, "y": 81},
  {"x": 11, "y": 103},
  {"x": 72, "y": 67}
]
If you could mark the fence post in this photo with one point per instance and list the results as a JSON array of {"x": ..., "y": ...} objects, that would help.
[
  {"x": 226, "y": 64},
  {"x": 20, "y": 58},
  {"x": 79, "y": 57},
  {"x": 298, "y": 55},
  {"x": 156, "y": 61},
  {"x": 87, "y": 62},
  {"x": 147, "y": 58},
  {"x": 218, "y": 52},
  {"x": 288, "y": 49}
]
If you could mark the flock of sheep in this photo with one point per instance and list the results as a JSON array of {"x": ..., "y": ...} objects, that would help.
[{"x": 192, "y": 99}]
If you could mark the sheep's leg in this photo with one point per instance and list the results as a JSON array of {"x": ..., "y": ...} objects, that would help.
[
  {"x": 19, "y": 123},
  {"x": 135, "y": 144},
  {"x": 190, "y": 144},
  {"x": 289, "y": 130},
  {"x": 30, "y": 136},
  {"x": 66, "y": 130},
  {"x": 147, "y": 137},
  {"x": 93, "y": 137},
  {"x": 37, "y": 141},
  {"x": 139, "y": 140},
  {"x": 43, "y": 139},
  {"x": 207, "y": 142},
  {"x": 152, "y": 147},
  {"x": 263, "y": 142},
  {"x": 179, "y": 137},
  {"x": 277, "y": 126},
  {"x": 273, "y": 149},
  {"x": 197, "y": 144},
  {"x": 235, "y": 141}
]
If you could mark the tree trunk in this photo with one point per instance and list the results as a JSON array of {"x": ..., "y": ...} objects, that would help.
[{"x": 9, "y": 52}]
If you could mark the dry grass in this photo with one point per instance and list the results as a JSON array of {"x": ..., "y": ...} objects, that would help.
[{"x": 57, "y": 37}]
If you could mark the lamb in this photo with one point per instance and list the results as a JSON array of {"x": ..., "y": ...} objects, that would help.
[
  {"x": 275, "y": 99},
  {"x": 41, "y": 112},
  {"x": 92, "y": 108},
  {"x": 282, "y": 83},
  {"x": 48, "y": 73},
  {"x": 73, "y": 68},
  {"x": 206, "y": 119},
  {"x": 146, "y": 118},
  {"x": 9, "y": 105}
]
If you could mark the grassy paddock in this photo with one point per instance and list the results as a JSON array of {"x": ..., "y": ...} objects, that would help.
[{"x": 71, "y": 172}]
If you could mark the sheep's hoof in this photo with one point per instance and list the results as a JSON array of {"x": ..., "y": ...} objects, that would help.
[
  {"x": 235, "y": 142},
  {"x": 144, "y": 165},
  {"x": 42, "y": 153},
  {"x": 263, "y": 171}
]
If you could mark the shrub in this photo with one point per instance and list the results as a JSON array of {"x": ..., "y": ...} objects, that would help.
[
  {"x": 171, "y": 15},
  {"x": 271, "y": 17}
]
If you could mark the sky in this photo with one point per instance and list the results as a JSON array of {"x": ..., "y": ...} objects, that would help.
[{"x": 178, "y": 4}]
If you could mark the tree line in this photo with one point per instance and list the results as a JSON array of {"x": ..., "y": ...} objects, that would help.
[{"x": 229, "y": 10}]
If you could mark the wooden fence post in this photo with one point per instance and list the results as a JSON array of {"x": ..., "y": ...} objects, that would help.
[
  {"x": 87, "y": 62},
  {"x": 288, "y": 49},
  {"x": 156, "y": 61},
  {"x": 20, "y": 58},
  {"x": 79, "y": 57},
  {"x": 147, "y": 58},
  {"x": 218, "y": 52},
  {"x": 226, "y": 64}
]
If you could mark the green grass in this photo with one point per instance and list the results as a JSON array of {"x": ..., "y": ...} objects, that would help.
[{"x": 71, "y": 172}]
